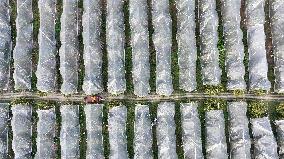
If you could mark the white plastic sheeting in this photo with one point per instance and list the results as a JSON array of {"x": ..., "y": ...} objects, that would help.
[
  {"x": 22, "y": 53},
  {"x": 22, "y": 131},
  {"x": 140, "y": 46},
  {"x": 115, "y": 47},
  {"x": 45, "y": 134},
  {"x": 92, "y": 47},
  {"x": 187, "y": 53},
  {"x": 265, "y": 145},
  {"x": 216, "y": 146},
  {"x": 277, "y": 29},
  {"x": 4, "y": 118},
  {"x": 70, "y": 132},
  {"x": 280, "y": 136},
  {"x": 162, "y": 39},
  {"x": 143, "y": 133},
  {"x": 5, "y": 44},
  {"x": 117, "y": 132},
  {"x": 240, "y": 143},
  {"x": 233, "y": 36},
  {"x": 191, "y": 130},
  {"x": 46, "y": 69},
  {"x": 258, "y": 67},
  {"x": 211, "y": 72},
  {"x": 166, "y": 139},
  {"x": 94, "y": 126},
  {"x": 68, "y": 51}
]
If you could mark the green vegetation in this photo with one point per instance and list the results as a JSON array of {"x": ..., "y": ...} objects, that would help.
[
  {"x": 260, "y": 92},
  {"x": 239, "y": 92},
  {"x": 21, "y": 101},
  {"x": 35, "y": 54},
  {"x": 45, "y": 104},
  {"x": 257, "y": 109},
  {"x": 213, "y": 90},
  {"x": 279, "y": 111},
  {"x": 128, "y": 51},
  {"x": 179, "y": 143},
  {"x": 130, "y": 128}
]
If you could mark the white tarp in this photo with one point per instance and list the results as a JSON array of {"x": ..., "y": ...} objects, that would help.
[
  {"x": 166, "y": 137},
  {"x": 216, "y": 146},
  {"x": 115, "y": 39},
  {"x": 92, "y": 47},
  {"x": 233, "y": 37},
  {"x": 22, "y": 53},
  {"x": 211, "y": 72},
  {"x": 5, "y": 44},
  {"x": 46, "y": 124},
  {"x": 94, "y": 125},
  {"x": 117, "y": 132},
  {"x": 46, "y": 68},
  {"x": 70, "y": 132},
  {"x": 140, "y": 46},
  {"x": 162, "y": 39},
  {"x": 258, "y": 66},
  {"x": 68, "y": 51},
  {"x": 142, "y": 133},
  {"x": 187, "y": 51},
  {"x": 277, "y": 29},
  {"x": 191, "y": 131},
  {"x": 22, "y": 131},
  {"x": 240, "y": 143}
]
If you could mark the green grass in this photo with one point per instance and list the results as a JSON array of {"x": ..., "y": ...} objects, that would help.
[
  {"x": 35, "y": 53},
  {"x": 81, "y": 72},
  {"x": 130, "y": 128},
  {"x": 152, "y": 51},
  {"x": 106, "y": 144},
  {"x": 83, "y": 135},
  {"x": 257, "y": 109},
  {"x": 279, "y": 111},
  {"x": 153, "y": 113},
  {"x": 178, "y": 133},
  {"x": 128, "y": 50},
  {"x": 59, "y": 10},
  {"x": 174, "y": 49}
]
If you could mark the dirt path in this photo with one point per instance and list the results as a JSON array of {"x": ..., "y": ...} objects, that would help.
[{"x": 151, "y": 98}]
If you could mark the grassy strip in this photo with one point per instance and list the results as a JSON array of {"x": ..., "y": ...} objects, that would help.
[
  {"x": 10, "y": 135},
  {"x": 128, "y": 50},
  {"x": 279, "y": 111},
  {"x": 257, "y": 109},
  {"x": 59, "y": 10},
  {"x": 104, "y": 46},
  {"x": 81, "y": 66},
  {"x": 153, "y": 113},
  {"x": 198, "y": 46},
  {"x": 13, "y": 15},
  {"x": 221, "y": 46},
  {"x": 35, "y": 53},
  {"x": 151, "y": 49},
  {"x": 34, "y": 132},
  {"x": 245, "y": 42},
  {"x": 130, "y": 128},
  {"x": 179, "y": 143},
  {"x": 57, "y": 132},
  {"x": 174, "y": 49},
  {"x": 106, "y": 144},
  {"x": 201, "y": 112},
  {"x": 268, "y": 45},
  {"x": 83, "y": 135}
]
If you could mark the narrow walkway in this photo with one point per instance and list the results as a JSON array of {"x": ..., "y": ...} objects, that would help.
[{"x": 151, "y": 98}]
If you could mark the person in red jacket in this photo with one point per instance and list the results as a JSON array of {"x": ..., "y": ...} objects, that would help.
[{"x": 96, "y": 99}]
